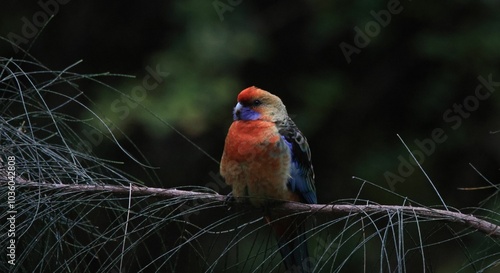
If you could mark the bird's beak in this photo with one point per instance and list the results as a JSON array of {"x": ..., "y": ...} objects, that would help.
[
  {"x": 237, "y": 111},
  {"x": 238, "y": 107}
]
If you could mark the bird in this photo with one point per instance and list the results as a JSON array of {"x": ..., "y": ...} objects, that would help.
[{"x": 267, "y": 159}]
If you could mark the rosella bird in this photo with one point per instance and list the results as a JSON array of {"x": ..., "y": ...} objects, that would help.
[{"x": 267, "y": 158}]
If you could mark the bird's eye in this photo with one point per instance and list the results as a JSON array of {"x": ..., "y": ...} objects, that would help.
[{"x": 256, "y": 103}]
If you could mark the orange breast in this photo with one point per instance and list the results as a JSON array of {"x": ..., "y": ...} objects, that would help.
[{"x": 256, "y": 161}]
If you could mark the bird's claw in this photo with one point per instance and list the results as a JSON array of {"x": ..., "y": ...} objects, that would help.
[{"x": 229, "y": 200}]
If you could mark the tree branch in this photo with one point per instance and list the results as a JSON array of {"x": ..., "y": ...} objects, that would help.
[{"x": 284, "y": 208}]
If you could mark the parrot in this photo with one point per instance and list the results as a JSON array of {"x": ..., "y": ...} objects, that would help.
[{"x": 266, "y": 158}]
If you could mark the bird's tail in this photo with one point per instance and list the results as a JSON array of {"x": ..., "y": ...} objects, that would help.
[{"x": 290, "y": 233}]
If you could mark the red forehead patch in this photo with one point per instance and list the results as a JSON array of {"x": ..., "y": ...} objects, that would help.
[{"x": 250, "y": 93}]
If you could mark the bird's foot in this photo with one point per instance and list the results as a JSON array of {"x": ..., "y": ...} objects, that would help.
[{"x": 229, "y": 201}]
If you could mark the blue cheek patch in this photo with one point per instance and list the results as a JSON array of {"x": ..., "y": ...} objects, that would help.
[{"x": 245, "y": 113}]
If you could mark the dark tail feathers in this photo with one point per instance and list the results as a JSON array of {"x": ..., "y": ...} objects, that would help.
[{"x": 292, "y": 244}]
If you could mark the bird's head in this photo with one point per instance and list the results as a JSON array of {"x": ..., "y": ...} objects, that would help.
[{"x": 257, "y": 104}]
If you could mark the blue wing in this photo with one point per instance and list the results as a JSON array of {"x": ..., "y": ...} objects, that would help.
[{"x": 301, "y": 174}]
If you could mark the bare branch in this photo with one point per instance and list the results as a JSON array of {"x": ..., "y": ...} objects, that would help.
[
  {"x": 438, "y": 214},
  {"x": 284, "y": 208}
]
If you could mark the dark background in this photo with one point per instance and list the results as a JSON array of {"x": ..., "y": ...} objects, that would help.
[
  {"x": 426, "y": 59},
  {"x": 405, "y": 79}
]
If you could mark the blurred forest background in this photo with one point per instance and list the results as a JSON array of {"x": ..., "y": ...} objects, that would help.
[{"x": 408, "y": 73}]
